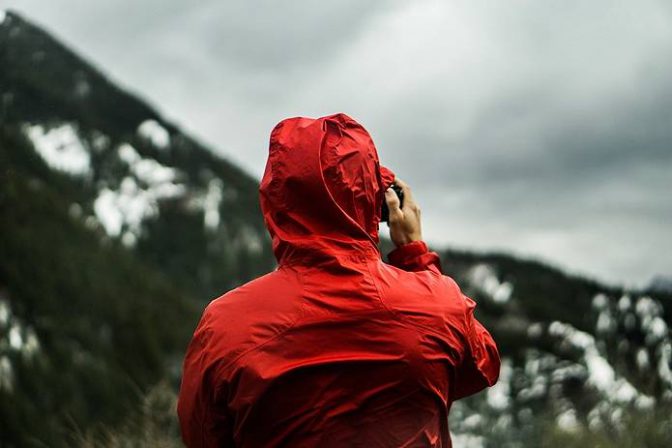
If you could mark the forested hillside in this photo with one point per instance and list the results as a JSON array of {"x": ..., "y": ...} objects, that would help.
[{"x": 116, "y": 228}]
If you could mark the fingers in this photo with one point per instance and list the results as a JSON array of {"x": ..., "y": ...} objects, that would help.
[
  {"x": 393, "y": 205},
  {"x": 404, "y": 222},
  {"x": 408, "y": 194},
  {"x": 409, "y": 200},
  {"x": 392, "y": 200}
]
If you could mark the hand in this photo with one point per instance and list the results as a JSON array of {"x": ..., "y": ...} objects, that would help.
[{"x": 404, "y": 222}]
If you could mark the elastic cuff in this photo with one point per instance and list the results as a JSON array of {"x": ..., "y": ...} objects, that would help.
[{"x": 406, "y": 251}]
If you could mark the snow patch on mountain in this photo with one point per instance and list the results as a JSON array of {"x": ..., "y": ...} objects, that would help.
[
  {"x": 664, "y": 366},
  {"x": 126, "y": 208},
  {"x": 642, "y": 359},
  {"x": 211, "y": 202},
  {"x": 484, "y": 278},
  {"x": 652, "y": 347},
  {"x": 15, "y": 339},
  {"x": 3, "y": 15},
  {"x": 60, "y": 147},
  {"x": 624, "y": 303},
  {"x": 146, "y": 170},
  {"x": 4, "y": 313},
  {"x": 538, "y": 386},
  {"x": 647, "y": 307},
  {"x": 600, "y": 302},
  {"x": 100, "y": 142},
  {"x": 657, "y": 349},
  {"x": 601, "y": 374},
  {"x": 567, "y": 420},
  {"x": 651, "y": 322},
  {"x": 6, "y": 374},
  {"x": 499, "y": 395},
  {"x": 580, "y": 361},
  {"x": 535, "y": 330},
  {"x": 152, "y": 131},
  {"x": 466, "y": 440},
  {"x": 138, "y": 196}
]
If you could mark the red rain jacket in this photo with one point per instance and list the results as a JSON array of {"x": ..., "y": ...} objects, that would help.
[{"x": 335, "y": 348}]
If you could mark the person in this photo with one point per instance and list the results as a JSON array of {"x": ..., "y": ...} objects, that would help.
[{"x": 334, "y": 348}]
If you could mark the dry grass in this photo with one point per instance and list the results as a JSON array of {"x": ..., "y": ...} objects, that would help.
[{"x": 154, "y": 425}]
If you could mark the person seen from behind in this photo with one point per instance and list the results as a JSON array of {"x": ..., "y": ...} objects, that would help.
[{"x": 334, "y": 348}]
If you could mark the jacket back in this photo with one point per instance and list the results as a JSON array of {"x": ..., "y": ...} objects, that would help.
[{"x": 334, "y": 347}]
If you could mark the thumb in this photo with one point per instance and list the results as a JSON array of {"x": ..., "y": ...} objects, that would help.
[{"x": 392, "y": 200}]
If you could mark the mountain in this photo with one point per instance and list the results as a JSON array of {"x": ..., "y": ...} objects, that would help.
[
  {"x": 582, "y": 363},
  {"x": 132, "y": 166},
  {"x": 661, "y": 283},
  {"x": 117, "y": 228}
]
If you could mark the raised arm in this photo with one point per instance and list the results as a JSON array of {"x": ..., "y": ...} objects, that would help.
[
  {"x": 480, "y": 364},
  {"x": 411, "y": 253}
]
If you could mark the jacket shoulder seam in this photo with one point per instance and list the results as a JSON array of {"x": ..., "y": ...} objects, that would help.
[
  {"x": 270, "y": 339},
  {"x": 399, "y": 317}
]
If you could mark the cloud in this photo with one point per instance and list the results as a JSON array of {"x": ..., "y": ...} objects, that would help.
[{"x": 540, "y": 127}]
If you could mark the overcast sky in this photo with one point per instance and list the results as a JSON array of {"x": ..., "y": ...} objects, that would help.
[{"x": 542, "y": 128}]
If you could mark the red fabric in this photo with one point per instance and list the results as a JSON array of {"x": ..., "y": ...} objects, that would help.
[
  {"x": 334, "y": 348},
  {"x": 415, "y": 256}
]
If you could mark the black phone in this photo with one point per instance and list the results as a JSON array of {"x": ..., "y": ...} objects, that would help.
[{"x": 385, "y": 213}]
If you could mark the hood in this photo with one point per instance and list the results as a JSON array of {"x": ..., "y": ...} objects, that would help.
[{"x": 322, "y": 190}]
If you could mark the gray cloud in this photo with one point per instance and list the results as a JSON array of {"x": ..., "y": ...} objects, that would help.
[
  {"x": 537, "y": 127},
  {"x": 278, "y": 40}
]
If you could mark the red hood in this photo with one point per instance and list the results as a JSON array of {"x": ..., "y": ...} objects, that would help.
[{"x": 322, "y": 190}]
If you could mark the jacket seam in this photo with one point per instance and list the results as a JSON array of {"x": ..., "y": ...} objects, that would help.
[
  {"x": 272, "y": 338},
  {"x": 416, "y": 327}
]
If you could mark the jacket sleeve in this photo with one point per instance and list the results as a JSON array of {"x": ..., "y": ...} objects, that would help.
[
  {"x": 203, "y": 422},
  {"x": 480, "y": 365},
  {"x": 415, "y": 256}
]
